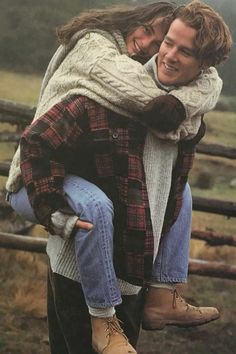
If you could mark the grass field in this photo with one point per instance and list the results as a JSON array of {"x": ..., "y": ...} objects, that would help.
[{"x": 23, "y": 328}]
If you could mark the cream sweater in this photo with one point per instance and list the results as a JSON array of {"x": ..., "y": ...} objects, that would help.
[{"x": 96, "y": 65}]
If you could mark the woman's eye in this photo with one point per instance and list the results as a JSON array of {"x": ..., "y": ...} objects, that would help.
[{"x": 147, "y": 29}]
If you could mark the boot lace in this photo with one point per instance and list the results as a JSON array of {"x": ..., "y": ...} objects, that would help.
[
  {"x": 177, "y": 297},
  {"x": 113, "y": 328}
]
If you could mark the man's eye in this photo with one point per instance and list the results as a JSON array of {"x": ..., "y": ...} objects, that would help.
[
  {"x": 186, "y": 53},
  {"x": 167, "y": 43}
]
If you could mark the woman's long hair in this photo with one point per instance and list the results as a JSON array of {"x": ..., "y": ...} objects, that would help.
[{"x": 122, "y": 18}]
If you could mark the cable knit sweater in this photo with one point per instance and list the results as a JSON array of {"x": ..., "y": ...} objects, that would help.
[{"x": 96, "y": 64}]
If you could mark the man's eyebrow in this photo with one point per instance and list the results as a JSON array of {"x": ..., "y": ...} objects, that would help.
[
  {"x": 187, "y": 49},
  {"x": 168, "y": 38}
]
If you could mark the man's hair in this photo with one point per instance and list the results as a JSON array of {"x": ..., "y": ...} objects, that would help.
[
  {"x": 213, "y": 40},
  {"x": 123, "y": 18}
]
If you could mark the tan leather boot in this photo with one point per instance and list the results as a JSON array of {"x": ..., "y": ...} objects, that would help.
[
  {"x": 166, "y": 307},
  {"x": 108, "y": 337}
]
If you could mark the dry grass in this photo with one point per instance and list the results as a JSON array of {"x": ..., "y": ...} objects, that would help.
[
  {"x": 22, "y": 88},
  {"x": 23, "y": 328}
]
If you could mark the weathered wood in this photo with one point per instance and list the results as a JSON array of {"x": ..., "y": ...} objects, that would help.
[
  {"x": 4, "y": 168},
  {"x": 212, "y": 269},
  {"x": 37, "y": 244},
  {"x": 23, "y": 243},
  {"x": 217, "y": 150},
  {"x": 214, "y": 206},
  {"x": 214, "y": 239},
  {"x": 9, "y": 137},
  {"x": 15, "y": 113}
]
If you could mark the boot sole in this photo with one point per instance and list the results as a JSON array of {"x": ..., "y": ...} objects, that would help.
[{"x": 161, "y": 325}]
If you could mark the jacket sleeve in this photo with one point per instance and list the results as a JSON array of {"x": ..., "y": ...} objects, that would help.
[{"x": 43, "y": 145}]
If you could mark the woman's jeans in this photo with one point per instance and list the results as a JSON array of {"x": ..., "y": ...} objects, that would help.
[{"x": 94, "y": 248}]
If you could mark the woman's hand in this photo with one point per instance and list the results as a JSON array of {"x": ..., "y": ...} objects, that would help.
[{"x": 85, "y": 225}]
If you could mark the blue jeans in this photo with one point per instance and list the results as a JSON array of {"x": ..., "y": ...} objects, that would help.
[{"x": 94, "y": 248}]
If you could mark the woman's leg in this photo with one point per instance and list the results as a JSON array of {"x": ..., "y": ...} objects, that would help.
[
  {"x": 20, "y": 204},
  {"x": 171, "y": 263},
  {"x": 94, "y": 248},
  {"x": 163, "y": 305}
]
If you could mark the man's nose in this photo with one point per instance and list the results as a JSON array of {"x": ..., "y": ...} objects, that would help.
[{"x": 171, "y": 54}]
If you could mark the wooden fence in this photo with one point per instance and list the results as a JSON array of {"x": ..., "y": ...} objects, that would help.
[{"x": 20, "y": 115}]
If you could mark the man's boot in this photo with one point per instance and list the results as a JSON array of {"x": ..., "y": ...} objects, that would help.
[
  {"x": 108, "y": 337},
  {"x": 166, "y": 307}
]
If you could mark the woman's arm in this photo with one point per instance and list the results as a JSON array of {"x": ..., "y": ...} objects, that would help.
[
  {"x": 102, "y": 71},
  {"x": 121, "y": 81},
  {"x": 43, "y": 145}
]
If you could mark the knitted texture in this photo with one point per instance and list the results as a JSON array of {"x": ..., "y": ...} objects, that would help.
[
  {"x": 97, "y": 60},
  {"x": 92, "y": 63}
]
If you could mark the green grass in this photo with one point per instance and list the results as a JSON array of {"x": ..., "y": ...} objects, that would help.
[{"x": 221, "y": 128}]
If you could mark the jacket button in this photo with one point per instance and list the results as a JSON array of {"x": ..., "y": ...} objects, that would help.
[{"x": 115, "y": 135}]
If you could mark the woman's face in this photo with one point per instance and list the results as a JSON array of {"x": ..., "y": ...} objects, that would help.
[{"x": 145, "y": 40}]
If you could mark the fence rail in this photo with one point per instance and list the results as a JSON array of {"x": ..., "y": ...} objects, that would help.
[{"x": 21, "y": 115}]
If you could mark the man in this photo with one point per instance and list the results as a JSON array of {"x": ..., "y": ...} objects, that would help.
[
  {"x": 186, "y": 50},
  {"x": 35, "y": 134}
]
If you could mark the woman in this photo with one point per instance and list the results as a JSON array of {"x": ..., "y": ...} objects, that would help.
[{"x": 102, "y": 67}]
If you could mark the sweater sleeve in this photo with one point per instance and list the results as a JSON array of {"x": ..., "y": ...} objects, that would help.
[
  {"x": 202, "y": 94},
  {"x": 117, "y": 79},
  {"x": 125, "y": 83},
  {"x": 198, "y": 98}
]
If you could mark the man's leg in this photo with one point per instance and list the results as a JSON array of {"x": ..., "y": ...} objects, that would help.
[
  {"x": 68, "y": 318},
  {"x": 69, "y": 321},
  {"x": 163, "y": 304},
  {"x": 171, "y": 263}
]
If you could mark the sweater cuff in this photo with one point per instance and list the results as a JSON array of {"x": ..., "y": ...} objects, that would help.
[
  {"x": 63, "y": 224},
  {"x": 164, "y": 113}
]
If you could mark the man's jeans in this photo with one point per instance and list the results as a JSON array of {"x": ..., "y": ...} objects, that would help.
[
  {"x": 69, "y": 323},
  {"x": 94, "y": 248}
]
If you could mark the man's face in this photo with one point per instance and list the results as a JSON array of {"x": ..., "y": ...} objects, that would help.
[
  {"x": 145, "y": 41},
  {"x": 177, "y": 63}
]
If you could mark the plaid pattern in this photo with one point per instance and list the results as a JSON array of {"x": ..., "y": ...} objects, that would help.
[{"x": 77, "y": 136}]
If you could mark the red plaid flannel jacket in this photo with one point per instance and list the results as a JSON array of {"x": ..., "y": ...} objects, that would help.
[{"x": 78, "y": 136}]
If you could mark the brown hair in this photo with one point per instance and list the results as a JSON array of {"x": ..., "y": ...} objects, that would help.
[
  {"x": 213, "y": 40},
  {"x": 123, "y": 18}
]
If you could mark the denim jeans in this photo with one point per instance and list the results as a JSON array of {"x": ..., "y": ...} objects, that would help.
[{"x": 94, "y": 248}]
